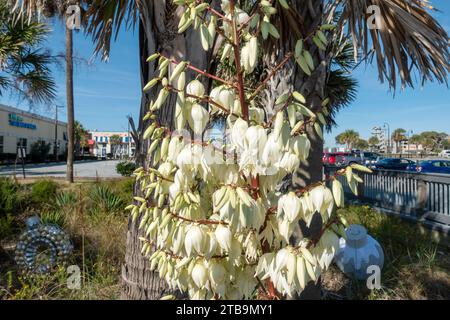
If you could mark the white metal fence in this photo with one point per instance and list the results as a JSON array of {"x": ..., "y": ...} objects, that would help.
[{"x": 418, "y": 195}]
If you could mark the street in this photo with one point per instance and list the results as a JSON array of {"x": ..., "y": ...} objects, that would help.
[{"x": 82, "y": 169}]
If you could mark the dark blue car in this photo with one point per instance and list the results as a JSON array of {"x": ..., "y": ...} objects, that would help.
[
  {"x": 431, "y": 166},
  {"x": 392, "y": 164}
]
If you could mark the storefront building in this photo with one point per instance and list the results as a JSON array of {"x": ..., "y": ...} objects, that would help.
[
  {"x": 111, "y": 144},
  {"x": 20, "y": 130}
]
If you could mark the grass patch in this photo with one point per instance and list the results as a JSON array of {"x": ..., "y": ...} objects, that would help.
[
  {"x": 417, "y": 265},
  {"x": 43, "y": 192},
  {"x": 12, "y": 196}
]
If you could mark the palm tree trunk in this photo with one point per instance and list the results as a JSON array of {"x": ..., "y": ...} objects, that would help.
[
  {"x": 291, "y": 77},
  {"x": 70, "y": 103},
  {"x": 157, "y": 32}
]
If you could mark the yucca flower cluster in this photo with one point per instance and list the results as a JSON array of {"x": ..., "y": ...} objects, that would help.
[{"x": 216, "y": 225}]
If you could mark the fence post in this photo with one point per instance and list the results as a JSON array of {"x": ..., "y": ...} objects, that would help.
[
  {"x": 422, "y": 197},
  {"x": 361, "y": 187}
]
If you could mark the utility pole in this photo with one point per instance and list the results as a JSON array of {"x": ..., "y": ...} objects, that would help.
[
  {"x": 386, "y": 125},
  {"x": 55, "y": 148},
  {"x": 409, "y": 134},
  {"x": 128, "y": 136}
]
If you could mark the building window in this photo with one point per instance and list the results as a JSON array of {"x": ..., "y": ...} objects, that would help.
[
  {"x": 65, "y": 136},
  {"x": 1, "y": 144}
]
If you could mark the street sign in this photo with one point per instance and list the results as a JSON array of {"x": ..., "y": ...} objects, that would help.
[{"x": 21, "y": 153}]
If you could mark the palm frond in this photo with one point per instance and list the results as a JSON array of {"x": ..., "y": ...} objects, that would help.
[
  {"x": 4, "y": 84},
  {"x": 25, "y": 69},
  {"x": 343, "y": 56},
  {"x": 408, "y": 41},
  {"x": 104, "y": 18},
  {"x": 341, "y": 88},
  {"x": 35, "y": 86}
]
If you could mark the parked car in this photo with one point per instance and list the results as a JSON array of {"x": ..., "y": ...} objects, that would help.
[
  {"x": 367, "y": 158},
  {"x": 431, "y": 166},
  {"x": 392, "y": 164},
  {"x": 445, "y": 154},
  {"x": 340, "y": 159}
]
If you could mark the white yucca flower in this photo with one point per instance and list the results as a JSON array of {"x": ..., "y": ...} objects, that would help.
[
  {"x": 326, "y": 249},
  {"x": 223, "y": 236},
  {"x": 198, "y": 119},
  {"x": 238, "y": 132},
  {"x": 175, "y": 147},
  {"x": 272, "y": 151},
  {"x": 195, "y": 88},
  {"x": 300, "y": 146},
  {"x": 185, "y": 159},
  {"x": 249, "y": 55},
  {"x": 199, "y": 274},
  {"x": 194, "y": 240},
  {"x": 289, "y": 207},
  {"x": 289, "y": 162}
]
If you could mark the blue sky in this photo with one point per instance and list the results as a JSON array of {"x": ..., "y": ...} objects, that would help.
[{"x": 105, "y": 93}]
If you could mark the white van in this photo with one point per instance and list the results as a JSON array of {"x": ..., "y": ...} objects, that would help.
[{"x": 445, "y": 154}]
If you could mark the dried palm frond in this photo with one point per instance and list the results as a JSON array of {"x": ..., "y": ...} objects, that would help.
[
  {"x": 106, "y": 17},
  {"x": 408, "y": 40}
]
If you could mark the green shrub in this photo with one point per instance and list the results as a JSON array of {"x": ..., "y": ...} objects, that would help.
[
  {"x": 65, "y": 200},
  {"x": 11, "y": 196},
  {"x": 53, "y": 217},
  {"x": 125, "y": 168},
  {"x": 39, "y": 151},
  {"x": 6, "y": 226},
  {"x": 106, "y": 200},
  {"x": 123, "y": 187},
  {"x": 127, "y": 187},
  {"x": 43, "y": 192}
]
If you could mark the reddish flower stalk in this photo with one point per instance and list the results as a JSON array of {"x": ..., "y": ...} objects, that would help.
[
  {"x": 218, "y": 14},
  {"x": 202, "y": 72},
  {"x": 203, "y": 221},
  {"x": 237, "y": 61},
  {"x": 245, "y": 113},
  {"x": 206, "y": 99}
]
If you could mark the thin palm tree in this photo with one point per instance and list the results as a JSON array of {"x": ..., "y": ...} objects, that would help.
[
  {"x": 361, "y": 144},
  {"x": 398, "y": 136},
  {"x": 58, "y": 9},
  {"x": 416, "y": 140},
  {"x": 349, "y": 138},
  {"x": 115, "y": 141},
  {"x": 374, "y": 142},
  {"x": 80, "y": 134}
]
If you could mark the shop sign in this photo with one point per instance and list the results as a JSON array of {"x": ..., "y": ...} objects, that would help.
[{"x": 17, "y": 121}]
